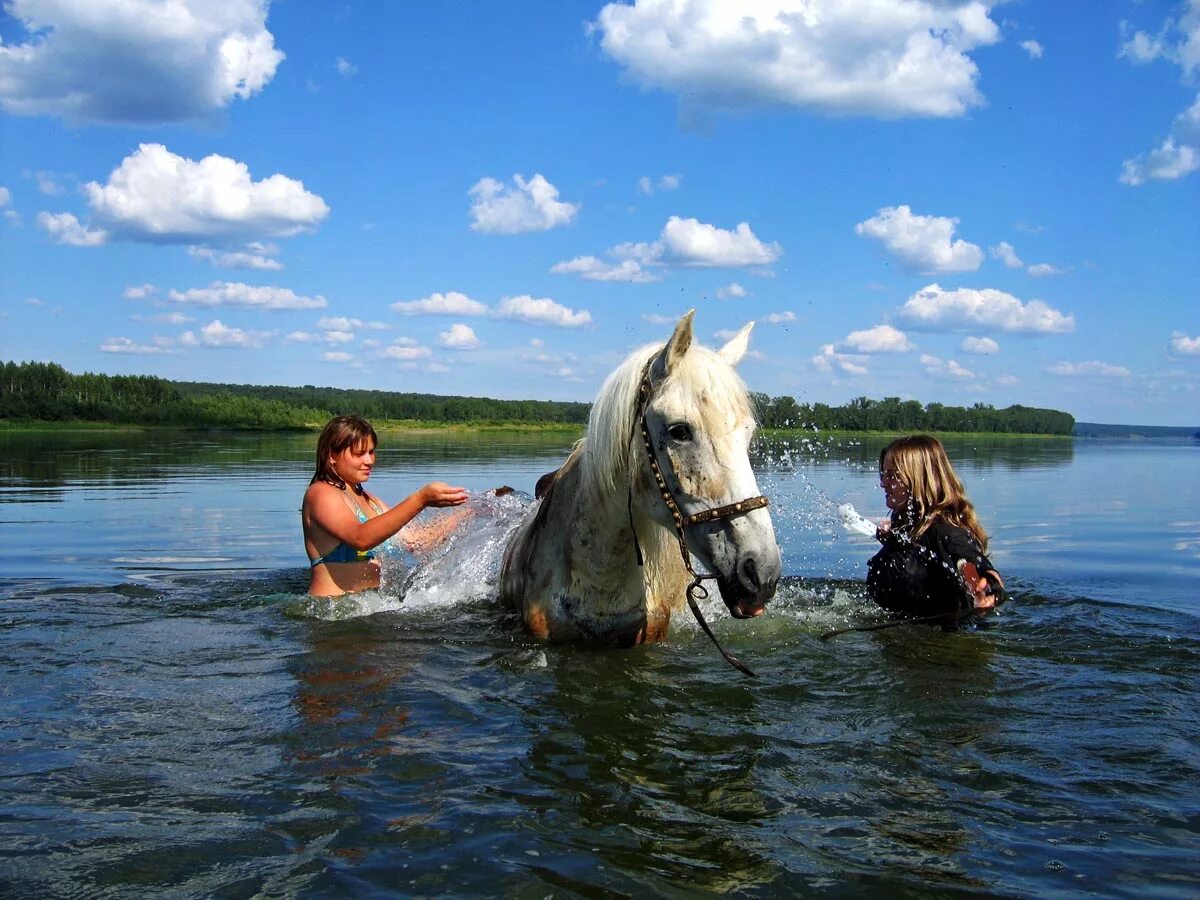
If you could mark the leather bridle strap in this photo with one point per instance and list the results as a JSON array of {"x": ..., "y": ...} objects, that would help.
[{"x": 681, "y": 522}]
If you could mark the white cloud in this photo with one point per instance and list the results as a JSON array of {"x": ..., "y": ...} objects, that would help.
[
  {"x": 5, "y": 197},
  {"x": 1167, "y": 163},
  {"x": 692, "y": 243},
  {"x": 66, "y": 229},
  {"x": 1178, "y": 41},
  {"x": 135, "y": 61},
  {"x": 531, "y": 205},
  {"x": 1005, "y": 253},
  {"x": 234, "y": 293},
  {"x": 888, "y": 58},
  {"x": 779, "y": 318},
  {"x": 733, "y": 289},
  {"x": 590, "y": 268},
  {"x": 139, "y": 291},
  {"x": 345, "y": 68},
  {"x": 459, "y": 337},
  {"x": 880, "y": 339},
  {"x": 1007, "y": 380},
  {"x": 337, "y": 356},
  {"x": 1182, "y": 345},
  {"x": 1042, "y": 270},
  {"x": 170, "y": 318},
  {"x": 47, "y": 185},
  {"x": 451, "y": 303},
  {"x": 1033, "y": 48},
  {"x": 345, "y": 323},
  {"x": 217, "y": 334},
  {"x": 126, "y": 345},
  {"x": 664, "y": 183},
  {"x": 34, "y": 301},
  {"x": 157, "y": 196},
  {"x": 829, "y": 359},
  {"x": 543, "y": 311},
  {"x": 981, "y": 346},
  {"x": 924, "y": 243},
  {"x": 935, "y": 309},
  {"x": 1091, "y": 368},
  {"x": 337, "y": 337},
  {"x": 405, "y": 351},
  {"x": 944, "y": 368},
  {"x": 11, "y": 215},
  {"x": 236, "y": 259}
]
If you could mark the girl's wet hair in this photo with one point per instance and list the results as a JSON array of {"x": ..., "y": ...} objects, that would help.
[
  {"x": 341, "y": 433},
  {"x": 935, "y": 492}
]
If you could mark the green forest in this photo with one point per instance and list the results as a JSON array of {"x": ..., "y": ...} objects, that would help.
[{"x": 46, "y": 392}]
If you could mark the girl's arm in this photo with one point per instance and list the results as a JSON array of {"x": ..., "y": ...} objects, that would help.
[{"x": 328, "y": 509}]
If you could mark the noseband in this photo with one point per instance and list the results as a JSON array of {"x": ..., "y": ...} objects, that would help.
[{"x": 682, "y": 522}]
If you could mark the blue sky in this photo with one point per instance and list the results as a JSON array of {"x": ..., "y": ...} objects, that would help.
[{"x": 936, "y": 200}]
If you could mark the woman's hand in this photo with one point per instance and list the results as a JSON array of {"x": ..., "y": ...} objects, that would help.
[
  {"x": 438, "y": 493},
  {"x": 882, "y": 529},
  {"x": 981, "y": 585}
]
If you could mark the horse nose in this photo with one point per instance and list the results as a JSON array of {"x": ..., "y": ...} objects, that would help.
[
  {"x": 750, "y": 574},
  {"x": 759, "y": 575}
]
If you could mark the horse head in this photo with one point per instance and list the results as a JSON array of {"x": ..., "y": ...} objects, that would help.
[{"x": 698, "y": 422}]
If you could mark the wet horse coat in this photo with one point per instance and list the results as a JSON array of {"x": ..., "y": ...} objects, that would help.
[{"x": 572, "y": 568}]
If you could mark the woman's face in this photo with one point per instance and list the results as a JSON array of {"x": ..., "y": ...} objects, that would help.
[
  {"x": 353, "y": 465},
  {"x": 895, "y": 492}
]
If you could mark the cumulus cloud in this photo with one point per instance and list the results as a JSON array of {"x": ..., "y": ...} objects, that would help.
[
  {"x": 236, "y": 259},
  {"x": 234, "y": 293},
  {"x": 733, "y": 289},
  {"x": 890, "y": 58},
  {"x": 923, "y": 243},
  {"x": 880, "y": 339},
  {"x": 531, "y": 205},
  {"x": 1178, "y": 41},
  {"x": 127, "y": 345},
  {"x": 217, "y": 334},
  {"x": 345, "y": 68},
  {"x": 1183, "y": 345},
  {"x": 156, "y": 196},
  {"x": 1091, "y": 368},
  {"x": 1169, "y": 162},
  {"x": 135, "y": 61},
  {"x": 1033, "y": 48},
  {"x": 139, "y": 291},
  {"x": 337, "y": 356},
  {"x": 935, "y": 309},
  {"x": 692, "y": 243},
  {"x": 648, "y": 185},
  {"x": 981, "y": 346},
  {"x": 48, "y": 185},
  {"x": 543, "y": 311},
  {"x": 944, "y": 368},
  {"x": 66, "y": 229},
  {"x": 1005, "y": 253},
  {"x": 1042, "y": 270},
  {"x": 5, "y": 197},
  {"x": 405, "y": 351},
  {"x": 779, "y": 318},
  {"x": 459, "y": 337},
  {"x": 830, "y": 360},
  {"x": 345, "y": 323},
  {"x": 590, "y": 268},
  {"x": 452, "y": 303}
]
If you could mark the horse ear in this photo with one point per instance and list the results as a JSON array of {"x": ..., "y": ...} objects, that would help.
[
  {"x": 678, "y": 345},
  {"x": 733, "y": 352}
]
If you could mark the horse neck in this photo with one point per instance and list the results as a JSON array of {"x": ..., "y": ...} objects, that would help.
[{"x": 604, "y": 521}]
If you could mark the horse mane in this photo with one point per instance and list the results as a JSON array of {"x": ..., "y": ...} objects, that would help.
[{"x": 607, "y": 465}]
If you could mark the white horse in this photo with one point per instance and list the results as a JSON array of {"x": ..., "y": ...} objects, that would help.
[{"x": 662, "y": 472}]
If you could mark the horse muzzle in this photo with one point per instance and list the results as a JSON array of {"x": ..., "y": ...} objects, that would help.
[{"x": 747, "y": 590}]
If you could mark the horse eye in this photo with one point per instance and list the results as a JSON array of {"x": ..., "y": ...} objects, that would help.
[{"x": 680, "y": 432}]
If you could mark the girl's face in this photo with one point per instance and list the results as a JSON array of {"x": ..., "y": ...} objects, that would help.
[
  {"x": 353, "y": 465},
  {"x": 895, "y": 492}
]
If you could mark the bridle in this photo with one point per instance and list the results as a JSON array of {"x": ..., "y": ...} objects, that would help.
[{"x": 681, "y": 522}]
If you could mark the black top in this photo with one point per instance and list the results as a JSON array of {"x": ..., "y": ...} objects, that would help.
[{"x": 921, "y": 577}]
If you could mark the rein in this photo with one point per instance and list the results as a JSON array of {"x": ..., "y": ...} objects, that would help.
[{"x": 681, "y": 522}]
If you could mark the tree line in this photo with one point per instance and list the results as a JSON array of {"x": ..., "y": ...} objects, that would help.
[{"x": 47, "y": 392}]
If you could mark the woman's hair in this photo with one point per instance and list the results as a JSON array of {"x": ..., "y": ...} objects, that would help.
[
  {"x": 934, "y": 491},
  {"x": 340, "y": 433}
]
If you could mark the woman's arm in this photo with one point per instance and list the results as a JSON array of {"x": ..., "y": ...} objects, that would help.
[{"x": 327, "y": 508}]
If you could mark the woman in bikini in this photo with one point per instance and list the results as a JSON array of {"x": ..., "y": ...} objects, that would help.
[
  {"x": 344, "y": 525},
  {"x": 933, "y": 562}
]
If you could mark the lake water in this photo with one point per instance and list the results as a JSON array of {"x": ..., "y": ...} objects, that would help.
[{"x": 177, "y": 719}]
